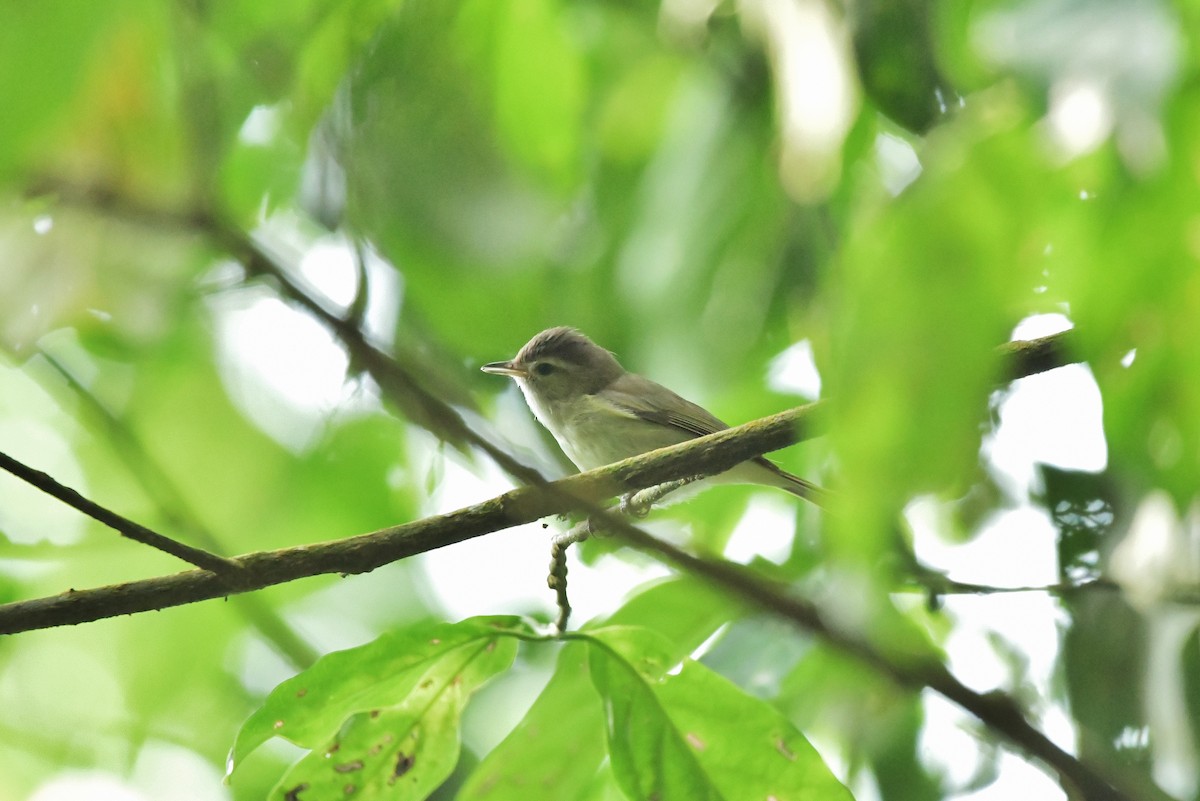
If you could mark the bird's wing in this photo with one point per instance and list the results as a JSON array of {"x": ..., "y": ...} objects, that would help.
[
  {"x": 642, "y": 398},
  {"x": 653, "y": 402}
]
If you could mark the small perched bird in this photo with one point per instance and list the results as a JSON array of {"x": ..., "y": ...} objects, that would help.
[{"x": 601, "y": 414}]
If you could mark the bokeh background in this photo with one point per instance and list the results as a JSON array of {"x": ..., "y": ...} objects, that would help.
[{"x": 756, "y": 203}]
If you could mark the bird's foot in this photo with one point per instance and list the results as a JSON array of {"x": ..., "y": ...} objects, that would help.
[
  {"x": 638, "y": 504},
  {"x": 635, "y": 505}
]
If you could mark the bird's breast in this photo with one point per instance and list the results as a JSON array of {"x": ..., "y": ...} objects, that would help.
[{"x": 594, "y": 433}]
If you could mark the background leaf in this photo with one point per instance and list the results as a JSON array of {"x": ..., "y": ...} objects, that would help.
[
  {"x": 408, "y": 748},
  {"x": 755, "y": 204},
  {"x": 568, "y": 719},
  {"x": 308, "y": 708},
  {"x": 691, "y": 733}
]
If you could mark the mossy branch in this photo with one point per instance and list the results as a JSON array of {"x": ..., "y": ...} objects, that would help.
[{"x": 708, "y": 455}]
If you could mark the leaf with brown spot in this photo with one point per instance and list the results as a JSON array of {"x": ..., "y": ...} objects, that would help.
[
  {"x": 404, "y": 763},
  {"x": 294, "y": 793},
  {"x": 412, "y": 742},
  {"x": 309, "y": 708}
]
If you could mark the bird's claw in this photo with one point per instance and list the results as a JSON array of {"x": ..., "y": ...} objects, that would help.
[{"x": 633, "y": 505}]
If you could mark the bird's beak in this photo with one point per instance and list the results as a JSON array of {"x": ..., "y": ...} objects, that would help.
[{"x": 505, "y": 368}]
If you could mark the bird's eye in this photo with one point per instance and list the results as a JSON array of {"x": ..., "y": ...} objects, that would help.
[{"x": 544, "y": 368}]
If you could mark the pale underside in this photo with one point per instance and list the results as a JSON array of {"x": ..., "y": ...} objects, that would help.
[{"x": 630, "y": 417}]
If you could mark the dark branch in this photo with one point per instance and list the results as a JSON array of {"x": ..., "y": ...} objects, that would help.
[
  {"x": 227, "y": 568},
  {"x": 712, "y": 454},
  {"x": 1030, "y": 356},
  {"x": 398, "y": 382},
  {"x": 997, "y": 710},
  {"x": 704, "y": 456},
  {"x": 176, "y": 512}
]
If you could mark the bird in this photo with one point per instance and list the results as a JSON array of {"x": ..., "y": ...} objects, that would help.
[{"x": 599, "y": 413}]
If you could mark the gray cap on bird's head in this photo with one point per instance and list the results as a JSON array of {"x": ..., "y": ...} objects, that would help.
[
  {"x": 562, "y": 348},
  {"x": 563, "y": 343}
]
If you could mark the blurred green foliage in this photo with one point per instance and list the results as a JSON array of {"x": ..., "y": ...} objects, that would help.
[{"x": 658, "y": 176}]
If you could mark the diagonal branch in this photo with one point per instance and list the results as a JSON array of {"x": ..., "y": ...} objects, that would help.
[
  {"x": 179, "y": 514},
  {"x": 229, "y": 569},
  {"x": 715, "y": 453},
  {"x": 397, "y": 380},
  {"x": 708, "y": 455},
  {"x": 1030, "y": 356},
  {"x": 914, "y": 671},
  {"x": 399, "y": 383}
]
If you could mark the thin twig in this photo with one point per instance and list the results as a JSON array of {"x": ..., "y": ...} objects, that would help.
[
  {"x": 557, "y": 579},
  {"x": 177, "y": 512},
  {"x": 398, "y": 382},
  {"x": 944, "y": 586},
  {"x": 357, "y": 312},
  {"x": 706, "y": 455},
  {"x": 226, "y": 568}
]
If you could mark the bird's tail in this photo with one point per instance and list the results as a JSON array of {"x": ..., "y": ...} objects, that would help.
[{"x": 802, "y": 488}]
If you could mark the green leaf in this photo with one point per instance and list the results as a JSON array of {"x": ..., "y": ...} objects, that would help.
[
  {"x": 692, "y": 733},
  {"x": 745, "y": 745},
  {"x": 329, "y": 48},
  {"x": 45, "y": 50},
  {"x": 308, "y": 708},
  {"x": 635, "y": 111},
  {"x": 650, "y": 757},
  {"x": 539, "y": 85},
  {"x": 257, "y": 178},
  {"x": 830, "y": 689},
  {"x": 407, "y": 751},
  {"x": 911, "y": 400},
  {"x": 683, "y": 609},
  {"x": 896, "y": 61},
  {"x": 1189, "y": 667},
  {"x": 1152, "y": 404},
  {"x": 558, "y": 748},
  {"x": 1104, "y": 656}
]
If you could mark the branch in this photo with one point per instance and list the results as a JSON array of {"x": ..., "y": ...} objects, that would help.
[
  {"x": 715, "y": 453},
  {"x": 178, "y": 513},
  {"x": 931, "y": 582},
  {"x": 227, "y": 568},
  {"x": 397, "y": 381},
  {"x": 1029, "y": 356},
  {"x": 708, "y": 455},
  {"x": 995, "y": 709},
  {"x": 557, "y": 580}
]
